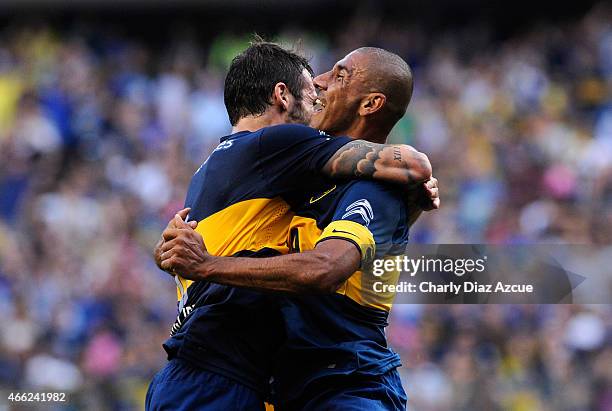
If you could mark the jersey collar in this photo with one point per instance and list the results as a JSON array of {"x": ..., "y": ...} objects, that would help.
[{"x": 235, "y": 135}]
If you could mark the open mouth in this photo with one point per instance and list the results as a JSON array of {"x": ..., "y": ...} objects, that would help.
[{"x": 319, "y": 105}]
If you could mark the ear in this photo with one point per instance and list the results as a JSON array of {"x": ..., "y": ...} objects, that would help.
[
  {"x": 372, "y": 103},
  {"x": 281, "y": 96}
]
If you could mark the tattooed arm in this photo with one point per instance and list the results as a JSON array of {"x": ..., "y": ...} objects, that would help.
[{"x": 395, "y": 163}]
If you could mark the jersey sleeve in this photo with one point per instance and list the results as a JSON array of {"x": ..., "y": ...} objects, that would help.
[
  {"x": 291, "y": 155},
  {"x": 368, "y": 215}
]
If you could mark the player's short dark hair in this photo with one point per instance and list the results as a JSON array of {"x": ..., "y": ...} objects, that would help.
[{"x": 251, "y": 78}]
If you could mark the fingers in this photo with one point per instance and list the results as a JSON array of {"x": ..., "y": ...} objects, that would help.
[
  {"x": 179, "y": 222},
  {"x": 169, "y": 236},
  {"x": 431, "y": 184},
  {"x": 157, "y": 251},
  {"x": 171, "y": 262},
  {"x": 170, "y": 233},
  {"x": 431, "y": 187},
  {"x": 180, "y": 242},
  {"x": 176, "y": 224},
  {"x": 436, "y": 203},
  {"x": 158, "y": 245},
  {"x": 433, "y": 192},
  {"x": 183, "y": 213},
  {"x": 167, "y": 264},
  {"x": 167, "y": 255},
  {"x": 168, "y": 245},
  {"x": 168, "y": 248},
  {"x": 430, "y": 197},
  {"x": 171, "y": 224}
]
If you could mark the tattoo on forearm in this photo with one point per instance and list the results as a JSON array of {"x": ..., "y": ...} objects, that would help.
[
  {"x": 397, "y": 154},
  {"x": 360, "y": 158},
  {"x": 356, "y": 158}
]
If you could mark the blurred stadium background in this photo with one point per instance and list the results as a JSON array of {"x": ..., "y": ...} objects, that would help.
[{"x": 106, "y": 110}]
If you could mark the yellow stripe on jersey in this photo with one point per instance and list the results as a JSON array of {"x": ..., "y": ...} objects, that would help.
[
  {"x": 182, "y": 284},
  {"x": 353, "y": 232},
  {"x": 303, "y": 234},
  {"x": 359, "y": 287},
  {"x": 249, "y": 225}
]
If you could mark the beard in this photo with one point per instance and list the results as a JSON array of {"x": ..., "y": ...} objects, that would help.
[{"x": 299, "y": 115}]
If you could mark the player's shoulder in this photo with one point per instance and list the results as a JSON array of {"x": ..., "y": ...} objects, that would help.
[
  {"x": 291, "y": 131},
  {"x": 380, "y": 203}
]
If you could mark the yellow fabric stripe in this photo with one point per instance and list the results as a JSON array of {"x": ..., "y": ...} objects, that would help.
[
  {"x": 308, "y": 230},
  {"x": 185, "y": 283},
  {"x": 247, "y": 225},
  {"x": 354, "y": 232},
  {"x": 359, "y": 287}
]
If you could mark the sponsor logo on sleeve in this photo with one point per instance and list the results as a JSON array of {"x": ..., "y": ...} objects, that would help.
[{"x": 361, "y": 207}]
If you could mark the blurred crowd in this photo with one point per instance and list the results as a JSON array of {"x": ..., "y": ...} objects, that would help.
[{"x": 101, "y": 132}]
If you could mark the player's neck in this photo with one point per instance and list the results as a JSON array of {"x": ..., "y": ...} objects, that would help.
[
  {"x": 253, "y": 123},
  {"x": 361, "y": 130}
]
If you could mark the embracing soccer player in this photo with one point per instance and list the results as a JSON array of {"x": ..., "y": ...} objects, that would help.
[
  {"x": 335, "y": 355},
  {"x": 225, "y": 338}
]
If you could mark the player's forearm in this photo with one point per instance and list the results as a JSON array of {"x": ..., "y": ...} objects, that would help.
[
  {"x": 308, "y": 272},
  {"x": 400, "y": 164}
]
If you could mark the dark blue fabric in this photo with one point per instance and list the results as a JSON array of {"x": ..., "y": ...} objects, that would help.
[
  {"x": 234, "y": 331},
  {"x": 378, "y": 206},
  {"x": 351, "y": 393},
  {"x": 180, "y": 386},
  {"x": 332, "y": 335},
  {"x": 294, "y": 164},
  {"x": 283, "y": 160}
]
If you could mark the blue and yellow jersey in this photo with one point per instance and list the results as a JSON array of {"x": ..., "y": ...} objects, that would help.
[
  {"x": 344, "y": 332},
  {"x": 240, "y": 197}
]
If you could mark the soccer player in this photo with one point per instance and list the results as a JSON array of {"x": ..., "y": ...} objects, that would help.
[
  {"x": 224, "y": 337},
  {"x": 336, "y": 355}
]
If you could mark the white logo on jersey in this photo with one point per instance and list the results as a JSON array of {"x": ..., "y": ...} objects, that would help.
[
  {"x": 224, "y": 146},
  {"x": 323, "y": 133},
  {"x": 361, "y": 207}
]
